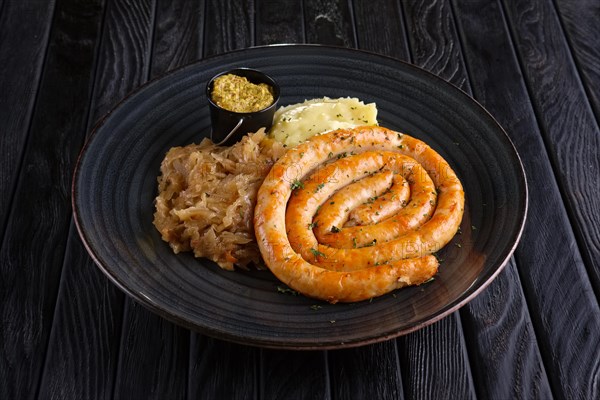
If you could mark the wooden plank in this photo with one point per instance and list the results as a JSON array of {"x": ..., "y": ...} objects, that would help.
[
  {"x": 24, "y": 30},
  {"x": 436, "y": 47},
  {"x": 229, "y": 25},
  {"x": 434, "y": 362},
  {"x": 504, "y": 353},
  {"x": 178, "y": 35},
  {"x": 281, "y": 372},
  {"x": 84, "y": 344},
  {"x": 562, "y": 108},
  {"x": 329, "y": 22},
  {"x": 222, "y": 370},
  {"x": 434, "y": 42},
  {"x": 384, "y": 31},
  {"x": 278, "y": 22},
  {"x": 124, "y": 58},
  {"x": 88, "y": 313},
  {"x": 31, "y": 256},
  {"x": 153, "y": 358},
  {"x": 583, "y": 34},
  {"x": 563, "y": 308},
  {"x": 368, "y": 372}
]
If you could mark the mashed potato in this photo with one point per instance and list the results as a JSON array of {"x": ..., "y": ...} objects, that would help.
[{"x": 295, "y": 123}]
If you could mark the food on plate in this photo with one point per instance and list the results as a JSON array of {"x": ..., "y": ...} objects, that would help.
[
  {"x": 344, "y": 216},
  {"x": 207, "y": 195},
  {"x": 236, "y": 93},
  {"x": 306, "y": 243},
  {"x": 295, "y": 123}
]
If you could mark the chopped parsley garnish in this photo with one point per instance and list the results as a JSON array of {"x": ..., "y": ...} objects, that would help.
[
  {"x": 317, "y": 253},
  {"x": 286, "y": 290},
  {"x": 297, "y": 184}
]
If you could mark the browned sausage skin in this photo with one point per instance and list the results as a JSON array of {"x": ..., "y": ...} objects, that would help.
[{"x": 341, "y": 265}]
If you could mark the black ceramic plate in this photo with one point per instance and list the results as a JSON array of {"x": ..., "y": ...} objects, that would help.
[{"x": 115, "y": 185}]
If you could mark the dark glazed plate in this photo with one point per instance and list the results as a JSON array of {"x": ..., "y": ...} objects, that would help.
[{"x": 115, "y": 184}]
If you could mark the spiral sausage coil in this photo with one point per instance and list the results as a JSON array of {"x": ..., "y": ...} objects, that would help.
[{"x": 356, "y": 213}]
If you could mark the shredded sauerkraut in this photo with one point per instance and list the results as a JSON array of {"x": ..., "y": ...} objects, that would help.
[{"x": 207, "y": 195}]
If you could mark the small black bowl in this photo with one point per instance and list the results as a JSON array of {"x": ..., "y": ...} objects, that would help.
[{"x": 228, "y": 126}]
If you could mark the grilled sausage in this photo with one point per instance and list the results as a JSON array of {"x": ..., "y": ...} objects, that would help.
[{"x": 338, "y": 264}]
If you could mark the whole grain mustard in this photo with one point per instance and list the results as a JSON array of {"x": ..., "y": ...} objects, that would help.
[{"x": 237, "y": 94}]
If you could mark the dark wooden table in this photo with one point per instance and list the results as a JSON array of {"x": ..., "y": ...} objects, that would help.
[{"x": 67, "y": 332}]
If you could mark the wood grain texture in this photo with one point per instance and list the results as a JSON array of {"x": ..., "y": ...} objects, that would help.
[
  {"x": 280, "y": 372},
  {"x": 24, "y": 30},
  {"x": 383, "y": 31},
  {"x": 153, "y": 361},
  {"x": 277, "y": 24},
  {"x": 368, "y": 372},
  {"x": 563, "y": 307},
  {"x": 84, "y": 344},
  {"x": 124, "y": 58},
  {"x": 83, "y": 349},
  {"x": 434, "y": 362},
  {"x": 222, "y": 370},
  {"x": 178, "y": 35},
  {"x": 329, "y": 22},
  {"x": 561, "y": 105},
  {"x": 580, "y": 22},
  {"x": 434, "y": 42},
  {"x": 229, "y": 25},
  {"x": 31, "y": 256},
  {"x": 436, "y": 47},
  {"x": 504, "y": 352}
]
